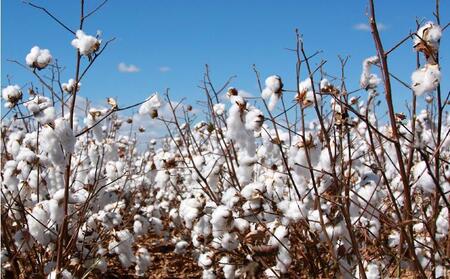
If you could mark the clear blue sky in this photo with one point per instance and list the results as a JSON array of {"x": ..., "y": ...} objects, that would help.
[{"x": 182, "y": 36}]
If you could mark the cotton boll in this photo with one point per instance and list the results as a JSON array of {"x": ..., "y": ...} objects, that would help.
[
  {"x": 38, "y": 58},
  {"x": 156, "y": 225},
  {"x": 143, "y": 261},
  {"x": 305, "y": 85},
  {"x": 241, "y": 224},
  {"x": 189, "y": 210},
  {"x": 69, "y": 86},
  {"x": 227, "y": 267},
  {"x": 372, "y": 271},
  {"x": 266, "y": 93},
  {"x": 36, "y": 224},
  {"x": 274, "y": 83},
  {"x": 272, "y": 273},
  {"x": 151, "y": 106},
  {"x": 208, "y": 274},
  {"x": 180, "y": 247},
  {"x": 272, "y": 91},
  {"x": 306, "y": 96},
  {"x": 50, "y": 144},
  {"x": 12, "y": 94},
  {"x": 56, "y": 211},
  {"x": 429, "y": 33},
  {"x": 281, "y": 240},
  {"x": 442, "y": 224},
  {"x": 23, "y": 241},
  {"x": 205, "y": 260},
  {"x": 64, "y": 274},
  {"x": 85, "y": 44},
  {"x": 65, "y": 134},
  {"x": 254, "y": 119},
  {"x": 230, "y": 241},
  {"x": 273, "y": 101},
  {"x": 221, "y": 220},
  {"x": 425, "y": 79},
  {"x": 42, "y": 109},
  {"x": 140, "y": 225},
  {"x": 219, "y": 108},
  {"x": 369, "y": 80},
  {"x": 423, "y": 178}
]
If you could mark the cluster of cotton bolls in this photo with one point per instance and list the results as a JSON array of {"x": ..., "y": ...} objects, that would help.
[{"x": 240, "y": 196}]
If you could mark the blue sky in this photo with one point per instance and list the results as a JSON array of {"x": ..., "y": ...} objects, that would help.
[{"x": 171, "y": 41}]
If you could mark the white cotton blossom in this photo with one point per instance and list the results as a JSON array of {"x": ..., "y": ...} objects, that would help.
[
  {"x": 86, "y": 44},
  {"x": 369, "y": 80},
  {"x": 69, "y": 86},
  {"x": 425, "y": 79},
  {"x": 219, "y": 108},
  {"x": 38, "y": 58}
]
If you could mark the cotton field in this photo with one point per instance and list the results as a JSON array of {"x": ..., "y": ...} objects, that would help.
[{"x": 305, "y": 180}]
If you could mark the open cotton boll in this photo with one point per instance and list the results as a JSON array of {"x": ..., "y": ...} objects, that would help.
[
  {"x": 281, "y": 240},
  {"x": 50, "y": 144},
  {"x": 65, "y": 134},
  {"x": 221, "y": 220},
  {"x": 69, "y": 86},
  {"x": 227, "y": 267},
  {"x": 42, "y": 109},
  {"x": 37, "y": 223},
  {"x": 305, "y": 85},
  {"x": 423, "y": 178},
  {"x": 205, "y": 260},
  {"x": 64, "y": 274},
  {"x": 140, "y": 225},
  {"x": 254, "y": 119},
  {"x": 273, "y": 101},
  {"x": 369, "y": 80},
  {"x": 151, "y": 106},
  {"x": 425, "y": 79},
  {"x": 12, "y": 94},
  {"x": 189, "y": 210},
  {"x": 143, "y": 261},
  {"x": 273, "y": 90},
  {"x": 85, "y": 44},
  {"x": 180, "y": 247},
  {"x": 219, "y": 108},
  {"x": 38, "y": 58},
  {"x": 274, "y": 84},
  {"x": 442, "y": 224},
  {"x": 429, "y": 33}
]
